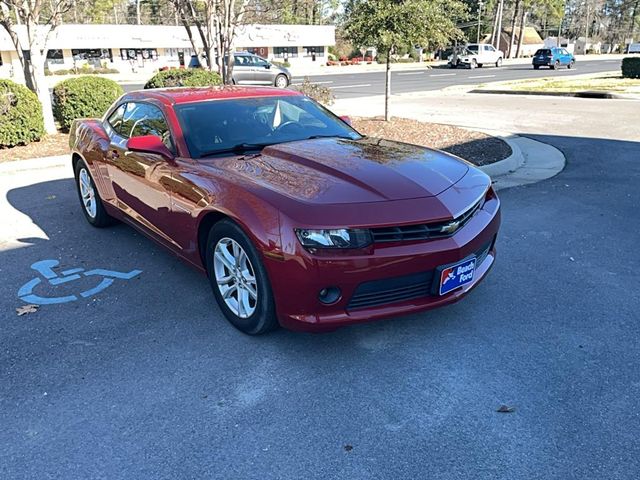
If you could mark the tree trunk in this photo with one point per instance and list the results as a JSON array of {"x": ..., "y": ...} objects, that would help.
[
  {"x": 523, "y": 21},
  {"x": 500, "y": 14},
  {"x": 516, "y": 8},
  {"x": 37, "y": 82},
  {"x": 387, "y": 88},
  {"x": 138, "y": 16}
]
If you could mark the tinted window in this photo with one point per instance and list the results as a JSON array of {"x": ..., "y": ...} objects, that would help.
[
  {"x": 260, "y": 62},
  {"x": 472, "y": 48},
  {"x": 489, "y": 48},
  {"x": 141, "y": 119},
  {"x": 115, "y": 120},
  {"x": 543, "y": 51},
  {"x": 222, "y": 124}
]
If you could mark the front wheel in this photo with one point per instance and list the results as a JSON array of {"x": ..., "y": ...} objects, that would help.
[
  {"x": 90, "y": 200},
  {"x": 239, "y": 280},
  {"x": 282, "y": 81},
  {"x": 473, "y": 64},
  {"x": 570, "y": 66}
]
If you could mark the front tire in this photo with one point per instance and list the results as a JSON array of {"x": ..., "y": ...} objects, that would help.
[
  {"x": 473, "y": 64},
  {"x": 281, "y": 81},
  {"x": 570, "y": 66},
  {"x": 239, "y": 280},
  {"x": 90, "y": 200}
]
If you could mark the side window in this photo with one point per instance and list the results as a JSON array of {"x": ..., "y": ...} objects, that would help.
[
  {"x": 115, "y": 119},
  {"x": 259, "y": 62},
  {"x": 141, "y": 119},
  {"x": 489, "y": 48}
]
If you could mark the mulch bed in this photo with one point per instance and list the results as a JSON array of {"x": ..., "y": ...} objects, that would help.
[
  {"x": 478, "y": 148},
  {"x": 50, "y": 145}
]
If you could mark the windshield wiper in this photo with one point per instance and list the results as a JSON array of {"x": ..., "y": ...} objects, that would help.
[
  {"x": 329, "y": 136},
  {"x": 239, "y": 148}
]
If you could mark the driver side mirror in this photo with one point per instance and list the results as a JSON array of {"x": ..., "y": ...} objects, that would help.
[
  {"x": 150, "y": 144},
  {"x": 346, "y": 119},
  {"x": 267, "y": 66}
]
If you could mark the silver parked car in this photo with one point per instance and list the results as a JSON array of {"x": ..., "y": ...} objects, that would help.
[{"x": 250, "y": 69}]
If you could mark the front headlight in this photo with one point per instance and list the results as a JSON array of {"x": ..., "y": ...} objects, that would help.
[{"x": 339, "y": 238}]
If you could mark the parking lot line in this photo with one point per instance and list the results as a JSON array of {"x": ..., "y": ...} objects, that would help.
[{"x": 353, "y": 86}]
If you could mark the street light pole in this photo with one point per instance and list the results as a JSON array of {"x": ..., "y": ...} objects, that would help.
[{"x": 480, "y": 4}]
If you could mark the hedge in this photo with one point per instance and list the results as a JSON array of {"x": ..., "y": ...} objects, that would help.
[
  {"x": 631, "y": 67},
  {"x": 83, "y": 97},
  {"x": 193, "y": 77},
  {"x": 21, "y": 120}
]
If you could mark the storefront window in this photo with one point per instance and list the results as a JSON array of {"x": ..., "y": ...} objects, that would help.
[
  {"x": 134, "y": 53},
  {"x": 55, "y": 57},
  {"x": 92, "y": 54},
  {"x": 285, "y": 52},
  {"x": 309, "y": 51}
]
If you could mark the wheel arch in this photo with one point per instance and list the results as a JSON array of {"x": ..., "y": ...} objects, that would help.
[{"x": 208, "y": 220}]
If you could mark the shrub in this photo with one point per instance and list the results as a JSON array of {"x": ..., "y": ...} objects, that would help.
[
  {"x": 193, "y": 77},
  {"x": 21, "y": 120},
  {"x": 631, "y": 67},
  {"x": 319, "y": 93},
  {"x": 82, "y": 97}
]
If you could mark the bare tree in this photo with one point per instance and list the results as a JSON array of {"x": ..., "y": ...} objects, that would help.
[
  {"x": 216, "y": 22},
  {"x": 36, "y": 19}
]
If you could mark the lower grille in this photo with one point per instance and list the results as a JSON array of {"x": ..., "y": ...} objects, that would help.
[{"x": 398, "y": 289}]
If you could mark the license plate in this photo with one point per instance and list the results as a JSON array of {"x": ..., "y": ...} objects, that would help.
[{"x": 457, "y": 275}]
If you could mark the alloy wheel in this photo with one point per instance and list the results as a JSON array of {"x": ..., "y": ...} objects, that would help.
[
  {"x": 281, "y": 81},
  {"x": 235, "y": 277},
  {"x": 87, "y": 193}
]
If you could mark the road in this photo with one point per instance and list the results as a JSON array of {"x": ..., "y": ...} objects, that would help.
[
  {"x": 147, "y": 380},
  {"x": 346, "y": 85}
]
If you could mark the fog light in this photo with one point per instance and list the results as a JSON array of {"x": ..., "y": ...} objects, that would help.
[{"x": 329, "y": 295}]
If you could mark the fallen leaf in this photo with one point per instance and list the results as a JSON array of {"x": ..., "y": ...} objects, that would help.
[
  {"x": 24, "y": 309},
  {"x": 51, "y": 197},
  {"x": 506, "y": 409},
  {"x": 348, "y": 448},
  {"x": 572, "y": 259}
]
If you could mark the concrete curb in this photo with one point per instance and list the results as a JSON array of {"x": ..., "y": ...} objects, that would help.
[
  {"x": 507, "y": 165},
  {"x": 16, "y": 166},
  {"x": 585, "y": 94},
  {"x": 539, "y": 161}
]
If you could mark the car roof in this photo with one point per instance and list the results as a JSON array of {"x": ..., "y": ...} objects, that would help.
[{"x": 180, "y": 95}]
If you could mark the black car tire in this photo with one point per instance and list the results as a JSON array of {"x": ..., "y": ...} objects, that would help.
[
  {"x": 264, "y": 318},
  {"x": 101, "y": 219},
  {"x": 556, "y": 65},
  {"x": 473, "y": 64},
  {"x": 570, "y": 66},
  {"x": 499, "y": 62},
  {"x": 279, "y": 79},
  {"x": 480, "y": 65},
  {"x": 536, "y": 67}
]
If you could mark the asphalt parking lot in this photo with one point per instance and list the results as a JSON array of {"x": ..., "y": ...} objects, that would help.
[{"x": 145, "y": 378}]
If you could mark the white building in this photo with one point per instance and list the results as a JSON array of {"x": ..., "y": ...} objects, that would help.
[{"x": 147, "y": 48}]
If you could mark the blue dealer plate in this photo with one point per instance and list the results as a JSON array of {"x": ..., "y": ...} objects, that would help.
[{"x": 457, "y": 275}]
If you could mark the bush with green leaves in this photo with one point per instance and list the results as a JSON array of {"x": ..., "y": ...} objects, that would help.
[
  {"x": 319, "y": 93},
  {"x": 83, "y": 97},
  {"x": 21, "y": 120},
  {"x": 192, "y": 77},
  {"x": 631, "y": 67}
]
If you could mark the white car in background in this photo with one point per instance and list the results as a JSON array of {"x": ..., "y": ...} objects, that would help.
[{"x": 476, "y": 55}]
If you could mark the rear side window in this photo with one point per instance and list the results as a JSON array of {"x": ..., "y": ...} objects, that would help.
[{"x": 115, "y": 119}]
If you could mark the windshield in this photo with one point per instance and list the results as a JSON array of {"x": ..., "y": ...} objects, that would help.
[
  {"x": 543, "y": 51},
  {"x": 242, "y": 124}
]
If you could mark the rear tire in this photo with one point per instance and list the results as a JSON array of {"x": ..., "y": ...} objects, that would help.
[
  {"x": 281, "y": 81},
  {"x": 499, "y": 62},
  {"x": 555, "y": 65},
  {"x": 243, "y": 293},
  {"x": 90, "y": 200},
  {"x": 536, "y": 67}
]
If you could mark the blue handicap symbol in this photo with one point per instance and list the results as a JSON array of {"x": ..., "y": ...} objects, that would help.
[{"x": 45, "y": 269}]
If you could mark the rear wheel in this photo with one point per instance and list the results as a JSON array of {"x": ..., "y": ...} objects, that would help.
[
  {"x": 239, "y": 280},
  {"x": 499, "y": 62},
  {"x": 282, "y": 81},
  {"x": 536, "y": 67},
  {"x": 555, "y": 65},
  {"x": 90, "y": 200}
]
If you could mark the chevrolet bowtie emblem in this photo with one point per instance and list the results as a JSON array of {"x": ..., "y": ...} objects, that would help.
[{"x": 450, "y": 227}]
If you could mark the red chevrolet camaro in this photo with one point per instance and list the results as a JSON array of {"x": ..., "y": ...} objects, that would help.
[{"x": 295, "y": 217}]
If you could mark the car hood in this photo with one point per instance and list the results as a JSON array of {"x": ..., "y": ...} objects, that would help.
[{"x": 335, "y": 171}]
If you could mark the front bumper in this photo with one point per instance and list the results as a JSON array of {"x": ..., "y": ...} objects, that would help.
[{"x": 297, "y": 280}]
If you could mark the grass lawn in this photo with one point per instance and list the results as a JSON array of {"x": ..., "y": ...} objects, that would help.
[{"x": 611, "y": 82}]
